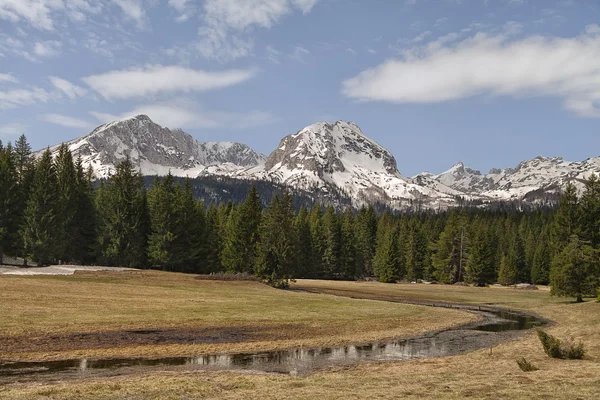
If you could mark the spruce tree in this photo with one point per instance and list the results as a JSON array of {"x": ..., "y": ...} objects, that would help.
[
  {"x": 304, "y": 267},
  {"x": 331, "y": 251},
  {"x": 479, "y": 267},
  {"x": 124, "y": 220},
  {"x": 41, "y": 225},
  {"x": 542, "y": 261},
  {"x": 85, "y": 226},
  {"x": 9, "y": 202},
  {"x": 211, "y": 250},
  {"x": 165, "y": 222},
  {"x": 191, "y": 223},
  {"x": 566, "y": 219},
  {"x": 450, "y": 251},
  {"x": 365, "y": 235},
  {"x": 318, "y": 242},
  {"x": 590, "y": 211},
  {"x": 66, "y": 207},
  {"x": 386, "y": 263},
  {"x": 242, "y": 234},
  {"x": 574, "y": 271},
  {"x": 348, "y": 267},
  {"x": 277, "y": 249}
]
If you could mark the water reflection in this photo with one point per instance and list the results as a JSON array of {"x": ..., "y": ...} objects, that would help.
[{"x": 304, "y": 360}]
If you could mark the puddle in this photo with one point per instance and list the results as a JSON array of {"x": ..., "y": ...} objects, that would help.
[{"x": 496, "y": 327}]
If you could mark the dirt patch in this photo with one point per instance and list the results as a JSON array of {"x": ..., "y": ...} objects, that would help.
[{"x": 115, "y": 339}]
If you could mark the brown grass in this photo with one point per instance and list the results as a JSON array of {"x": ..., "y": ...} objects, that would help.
[
  {"x": 42, "y": 314},
  {"x": 477, "y": 375}
]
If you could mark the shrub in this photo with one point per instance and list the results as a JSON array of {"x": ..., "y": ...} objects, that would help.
[
  {"x": 556, "y": 349},
  {"x": 551, "y": 344},
  {"x": 525, "y": 365}
]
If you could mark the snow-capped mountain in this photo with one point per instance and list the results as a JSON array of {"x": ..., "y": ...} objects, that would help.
[
  {"x": 541, "y": 175},
  {"x": 155, "y": 149},
  {"x": 340, "y": 157},
  {"x": 322, "y": 158}
]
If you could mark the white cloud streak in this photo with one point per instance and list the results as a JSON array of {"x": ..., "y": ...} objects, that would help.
[
  {"x": 8, "y": 78},
  {"x": 227, "y": 24},
  {"x": 71, "y": 90},
  {"x": 440, "y": 71},
  {"x": 23, "y": 97},
  {"x": 151, "y": 80},
  {"x": 66, "y": 121}
]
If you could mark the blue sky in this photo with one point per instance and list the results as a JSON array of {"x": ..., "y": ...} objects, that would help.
[{"x": 486, "y": 82}]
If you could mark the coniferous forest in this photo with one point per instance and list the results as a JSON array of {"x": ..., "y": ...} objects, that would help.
[{"x": 52, "y": 211}]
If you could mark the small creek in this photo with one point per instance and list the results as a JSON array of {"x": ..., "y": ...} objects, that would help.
[{"x": 496, "y": 326}]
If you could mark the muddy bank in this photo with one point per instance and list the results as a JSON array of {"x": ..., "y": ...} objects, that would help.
[{"x": 118, "y": 339}]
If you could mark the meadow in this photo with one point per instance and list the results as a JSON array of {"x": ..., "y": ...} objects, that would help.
[{"x": 167, "y": 300}]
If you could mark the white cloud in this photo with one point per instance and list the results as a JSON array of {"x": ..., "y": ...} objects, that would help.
[
  {"x": 187, "y": 114},
  {"x": 227, "y": 24},
  {"x": 22, "y": 97},
  {"x": 185, "y": 8},
  {"x": 8, "y": 78},
  {"x": 273, "y": 54},
  {"x": 299, "y": 53},
  {"x": 13, "y": 129},
  {"x": 489, "y": 64},
  {"x": 151, "y": 80},
  {"x": 36, "y": 12},
  {"x": 133, "y": 9},
  {"x": 71, "y": 90},
  {"x": 50, "y": 48},
  {"x": 66, "y": 121}
]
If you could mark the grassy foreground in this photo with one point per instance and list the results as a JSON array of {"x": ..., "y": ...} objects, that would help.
[
  {"x": 474, "y": 375},
  {"x": 93, "y": 314}
]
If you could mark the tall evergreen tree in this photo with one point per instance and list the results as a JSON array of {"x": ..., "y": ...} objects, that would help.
[
  {"x": 542, "y": 261},
  {"x": 365, "y": 235},
  {"x": 277, "y": 251},
  {"x": 304, "y": 267},
  {"x": 566, "y": 219},
  {"x": 9, "y": 202},
  {"x": 348, "y": 267},
  {"x": 387, "y": 262},
  {"x": 574, "y": 271},
  {"x": 590, "y": 211},
  {"x": 40, "y": 224},
  {"x": 85, "y": 235},
  {"x": 124, "y": 221},
  {"x": 479, "y": 267},
  {"x": 450, "y": 251},
  {"x": 331, "y": 251},
  {"x": 242, "y": 235},
  {"x": 66, "y": 206},
  {"x": 192, "y": 223}
]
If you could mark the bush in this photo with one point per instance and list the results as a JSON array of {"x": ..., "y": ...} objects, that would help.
[
  {"x": 525, "y": 365},
  {"x": 556, "y": 349}
]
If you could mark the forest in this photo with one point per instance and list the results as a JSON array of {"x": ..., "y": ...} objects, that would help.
[{"x": 53, "y": 211}]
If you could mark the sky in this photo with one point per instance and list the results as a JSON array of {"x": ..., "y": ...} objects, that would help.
[{"x": 489, "y": 83}]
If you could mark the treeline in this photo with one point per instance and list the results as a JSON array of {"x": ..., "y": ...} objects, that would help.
[{"x": 53, "y": 213}]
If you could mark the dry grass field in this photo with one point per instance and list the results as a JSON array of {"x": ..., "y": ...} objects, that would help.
[
  {"x": 97, "y": 314},
  {"x": 475, "y": 375}
]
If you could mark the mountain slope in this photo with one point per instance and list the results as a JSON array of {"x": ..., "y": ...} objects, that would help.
[
  {"x": 155, "y": 149},
  {"x": 340, "y": 157}
]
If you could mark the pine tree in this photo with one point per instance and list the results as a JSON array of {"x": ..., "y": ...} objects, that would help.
[
  {"x": 566, "y": 219},
  {"x": 479, "y": 268},
  {"x": 66, "y": 206},
  {"x": 574, "y": 271},
  {"x": 450, "y": 251},
  {"x": 304, "y": 267},
  {"x": 277, "y": 251},
  {"x": 318, "y": 244},
  {"x": 41, "y": 225},
  {"x": 347, "y": 260},
  {"x": 242, "y": 234},
  {"x": 85, "y": 235},
  {"x": 164, "y": 209},
  {"x": 124, "y": 220},
  {"x": 211, "y": 252},
  {"x": 9, "y": 201},
  {"x": 386, "y": 263},
  {"x": 331, "y": 251},
  {"x": 508, "y": 269},
  {"x": 191, "y": 223},
  {"x": 416, "y": 252},
  {"x": 365, "y": 235},
  {"x": 590, "y": 211},
  {"x": 542, "y": 261}
]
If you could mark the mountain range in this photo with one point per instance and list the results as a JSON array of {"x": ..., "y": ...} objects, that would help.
[{"x": 322, "y": 158}]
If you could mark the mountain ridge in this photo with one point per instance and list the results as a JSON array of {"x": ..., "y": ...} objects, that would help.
[{"x": 322, "y": 157}]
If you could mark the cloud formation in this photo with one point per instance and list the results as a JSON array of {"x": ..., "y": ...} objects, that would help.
[
  {"x": 66, "y": 121},
  {"x": 12, "y": 129},
  {"x": 49, "y": 48},
  {"x": 227, "y": 23},
  {"x": 71, "y": 90},
  {"x": 490, "y": 64},
  {"x": 151, "y": 80},
  {"x": 23, "y": 97}
]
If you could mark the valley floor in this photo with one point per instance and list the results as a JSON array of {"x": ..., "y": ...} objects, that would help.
[{"x": 38, "y": 308}]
